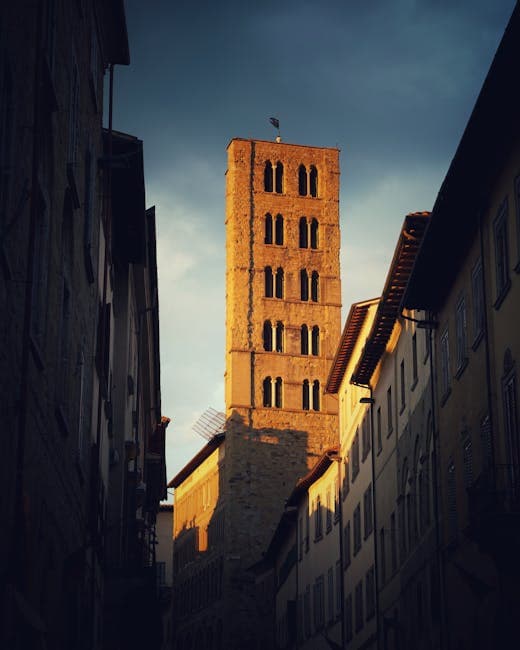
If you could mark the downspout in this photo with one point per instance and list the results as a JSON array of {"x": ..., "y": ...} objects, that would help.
[
  {"x": 374, "y": 512},
  {"x": 341, "y": 552}
]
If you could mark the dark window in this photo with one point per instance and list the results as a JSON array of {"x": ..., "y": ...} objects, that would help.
[
  {"x": 467, "y": 457},
  {"x": 349, "y": 631},
  {"x": 279, "y": 230},
  {"x": 346, "y": 543},
  {"x": 509, "y": 396},
  {"x": 279, "y": 283},
  {"x": 88, "y": 211},
  {"x": 279, "y": 178},
  {"x": 370, "y": 593},
  {"x": 267, "y": 390},
  {"x": 268, "y": 282},
  {"x": 279, "y": 336},
  {"x": 403, "y": 387},
  {"x": 303, "y": 232},
  {"x": 278, "y": 393},
  {"x": 501, "y": 252},
  {"x": 478, "y": 299},
  {"x": 414, "y": 357},
  {"x": 314, "y": 233},
  {"x": 330, "y": 582},
  {"x": 389, "y": 416},
  {"x": 393, "y": 542},
  {"x": 445, "y": 364},
  {"x": 358, "y": 605},
  {"x": 379, "y": 436},
  {"x": 304, "y": 284},
  {"x": 302, "y": 180},
  {"x": 316, "y": 395},
  {"x": 304, "y": 339},
  {"x": 460, "y": 326},
  {"x": 268, "y": 239},
  {"x": 315, "y": 340},
  {"x": 355, "y": 456},
  {"x": 268, "y": 176},
  {"x": 313, "y": 180},
  {"x": 268, "y": 336},
  {"x": 346, "y": 478},
  {"x": 318, "y": 522},
  {"x": 305, "y": 395},
  {"x": 357, "y": 529},
  {"x": 314, "y": 286},
  {"x": 452, "y": 501},
  {"x": 367, "y": 510},
  {"x": 382, "y": 552}
]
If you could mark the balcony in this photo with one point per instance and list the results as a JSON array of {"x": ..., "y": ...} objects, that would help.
[{"x": 494, "y": 512}]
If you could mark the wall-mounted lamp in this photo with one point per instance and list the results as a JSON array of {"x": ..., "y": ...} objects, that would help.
[{"x": 367, "y": 400}]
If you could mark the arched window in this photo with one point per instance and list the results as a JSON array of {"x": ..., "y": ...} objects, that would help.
[
  {"x": 278, "y": 393},
  {"x": 278, "y": 230},
  {"x": 304, "y": 335},
  {"x": 268, "y": 176},
  {"x": 268, "y": 336},
  {"x": 279, "y": 337},
  {"x": 313, "y": 178},
  {"x": 304, "y": 239},
  {"x": 279, "y": 178},
  {"x": 268, "y": 239},
  {"x": 314, "y": 286},
  {"x": 268, "y": 282},
  {"x": 315, "y": 342},
  {"x": 302, "y": 180},
  {"x": 304, "y": 284},
  {"x": 267, "y": 392},
  {"x": 316, "y": 395},
  {"x": 305, "y": 395},
  {"x": 279, "y": 283},
  {"x": 314, "y": 233}
]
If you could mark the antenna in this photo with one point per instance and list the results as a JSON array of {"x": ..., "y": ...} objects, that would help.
[{"x": 210, "y": 424}]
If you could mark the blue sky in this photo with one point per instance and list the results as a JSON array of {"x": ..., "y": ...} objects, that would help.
[{"x": 390, "y": 82}]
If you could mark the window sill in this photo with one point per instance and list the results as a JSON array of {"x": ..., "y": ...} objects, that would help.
[
  {"x": 461, "y": 368},
  {"x": 444, "y": 398},
  {"x": 477, "y": 340},
  {"x": 502, "y": 295}
]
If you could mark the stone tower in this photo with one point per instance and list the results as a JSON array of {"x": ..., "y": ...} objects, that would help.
[{"x": 283, "y": 304}]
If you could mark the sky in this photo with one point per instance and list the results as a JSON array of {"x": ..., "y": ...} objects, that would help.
[{"x": 392, "y": 83}]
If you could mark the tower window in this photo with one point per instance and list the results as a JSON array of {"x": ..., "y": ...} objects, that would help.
[
  {"x": 313, "y": 180},
  {"x": 279, "y": 283},
  {"x": 305, "y": 395},
  {"x": 279, "y": 178},
  {"x": 315, "y": 342},
  {"x": 316, "y": 395},
  {"x": 303, "y": 230},
  {"x": 269, "y": 386},
  {"x": 311, "y": 398},
  {"x": 304, "y": 335},
  {"x": 314, "y": 286},
  {"x": 279, "y": 336},
  {"x": 304, "y": 284},
  {"x": 302, "y": 180},
  {"x": 314, "y": 233},
  {"x": 268, "y": 239},
  {"x": 268, "y": 282},
  {"x": 278, "y": 230},
  {"x": 268, "y": 336},
  {"x": 268, "y": 176},
  {"x": 278, "y": 393}
]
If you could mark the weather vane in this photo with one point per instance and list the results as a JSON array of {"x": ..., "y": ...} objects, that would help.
[{"x": 276, "y": 123}]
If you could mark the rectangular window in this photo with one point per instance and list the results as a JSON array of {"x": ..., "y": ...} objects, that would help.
[
  {"x": 336, "y": 500},
  {"x": 365, "y": 435},
  {"x": 355, "y": 456},
  {"x": 379, "y": 437},
  {"x": 307, "y": 611},
  {"x": 501, "y": 253},
  {"x": 346, "y": 545},
  {"x": 328, "y": 513},
  {"x": 460, "y": 325},
  {"x": 318, "y": 521},
  {"x": 467, "y": 455},
  {"x": 358, "y": 605},
  {"x": 414, "y": 359},
  {"x": 393, "y": 542},
  {"x": 452, "y": 502},
  {"x": 301, "y": 541},
  {"x": 339, "y": 578},
  {"x": 370, "y": 593},
  {"x": 367, "y": 510},
  {"x": 357, "y": 529},
  {"x": 319, "y": 604},
  {"x": 330, "y": 584},
  {"x": 346, "y": 478},
  {"x": 445, "y": 365},
  {"x": 382, "y": 551},
  {"x": 403, "y": 387},
  {"x": 307, "y": 529},
  {"x": 477, "y": 290},
  {"x": 349, "y": 631},
  {"x": 390, "y": 419}
]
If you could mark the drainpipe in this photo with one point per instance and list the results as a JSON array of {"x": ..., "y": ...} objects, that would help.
[
  {"x": 370, "y": 400},
  {"x": 339, "y": 460}
]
